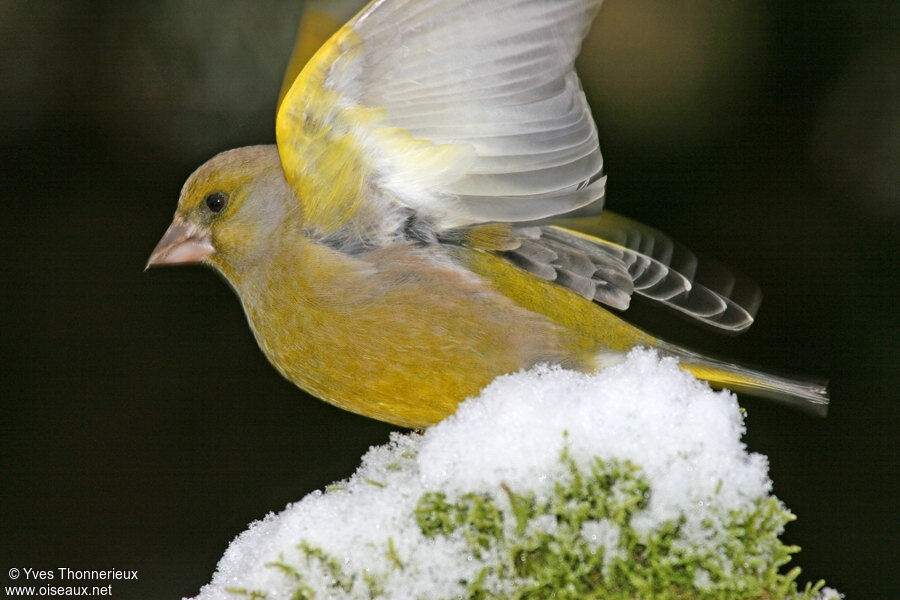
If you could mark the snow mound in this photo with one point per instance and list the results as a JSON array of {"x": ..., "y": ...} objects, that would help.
[{"x": 455, "y": 510}]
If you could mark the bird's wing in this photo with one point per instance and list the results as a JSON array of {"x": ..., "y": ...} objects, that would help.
[
  {"x": 320, "y": 20},
  {"x": 461, "y": 111},
  {"x": 609, "y": 258}
]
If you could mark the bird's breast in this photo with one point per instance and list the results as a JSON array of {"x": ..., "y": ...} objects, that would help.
[{"x": 399, "y": 334}]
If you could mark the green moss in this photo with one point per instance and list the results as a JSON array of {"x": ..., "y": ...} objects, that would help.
[
  {"x": 561, "y": 563},
  {"x": 330, "y": 565},
  {"x": 250, "y": 594},
  {"x": 301, "y": 591},
  {"x": 374, "y": 584},
  {"x": 542, "y": 548},
  {"x": 393, "y": 556}
]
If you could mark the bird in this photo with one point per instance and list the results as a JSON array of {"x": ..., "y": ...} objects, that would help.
[{"x": 431, "y": 217}]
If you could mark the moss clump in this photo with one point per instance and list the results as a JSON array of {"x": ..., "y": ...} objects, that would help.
[
  {"x": 558, "y": 560},
  {"x": 579, "y": 542}
]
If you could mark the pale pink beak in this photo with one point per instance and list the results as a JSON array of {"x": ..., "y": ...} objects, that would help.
[{"x": 182, "y": 243}]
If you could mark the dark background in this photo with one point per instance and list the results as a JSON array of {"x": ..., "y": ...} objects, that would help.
[{"x": 142, "y": 428}]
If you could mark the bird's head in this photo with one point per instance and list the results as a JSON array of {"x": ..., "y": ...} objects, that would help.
[{"x": 228, "y": 211}]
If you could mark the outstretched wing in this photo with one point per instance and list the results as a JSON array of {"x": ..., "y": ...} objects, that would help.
[
  {"x": 609, "y": 258},
  {"x": 455, "y": 111}
]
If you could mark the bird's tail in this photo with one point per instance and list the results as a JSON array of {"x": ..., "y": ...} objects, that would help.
[{"x": 808, "y": 395}]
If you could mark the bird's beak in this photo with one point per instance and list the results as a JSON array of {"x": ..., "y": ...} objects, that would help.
[{"x": 182, "y": 243}]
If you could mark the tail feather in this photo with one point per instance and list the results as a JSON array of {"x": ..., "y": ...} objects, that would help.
[{"x": 808, "y": 395}]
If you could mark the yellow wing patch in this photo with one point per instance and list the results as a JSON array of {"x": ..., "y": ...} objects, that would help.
[{"x": 321, "y": 159}]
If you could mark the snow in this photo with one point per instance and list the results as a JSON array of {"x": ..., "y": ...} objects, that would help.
[{"x": 685, "y": 437}]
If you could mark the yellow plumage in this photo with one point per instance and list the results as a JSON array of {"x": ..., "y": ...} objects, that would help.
[{"x": 386, "y": 252}]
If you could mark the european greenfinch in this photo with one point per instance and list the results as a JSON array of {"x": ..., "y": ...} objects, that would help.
[{"x": 412, "y": 235}]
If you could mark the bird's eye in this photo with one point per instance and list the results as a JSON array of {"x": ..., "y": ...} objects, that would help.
[{"x": 215, "y": 201}]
